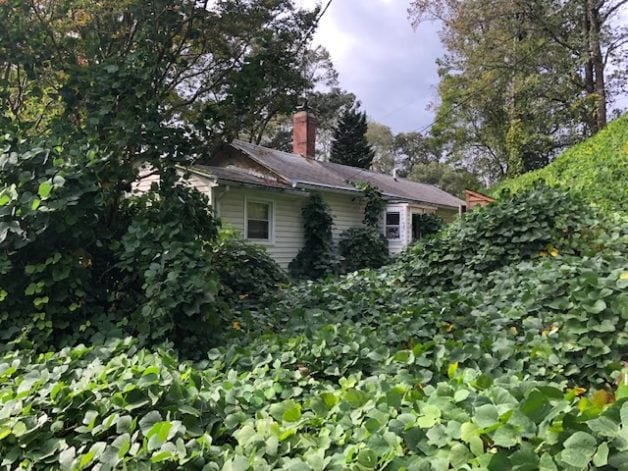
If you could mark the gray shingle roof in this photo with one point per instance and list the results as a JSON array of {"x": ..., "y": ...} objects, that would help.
[
  {"x": 299, "y": 171},
  {"x": 233, "y": 174}
]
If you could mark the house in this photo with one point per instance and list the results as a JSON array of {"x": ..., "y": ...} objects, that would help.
[{"x": 260, "y": 192}]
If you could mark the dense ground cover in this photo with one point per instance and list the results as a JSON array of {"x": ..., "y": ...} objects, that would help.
[
  {"x": 595, "y": 169},
  {"x": 508, "y": 356}
]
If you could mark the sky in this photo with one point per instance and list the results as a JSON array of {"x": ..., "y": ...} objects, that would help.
[{"x": 380, "y": 58}]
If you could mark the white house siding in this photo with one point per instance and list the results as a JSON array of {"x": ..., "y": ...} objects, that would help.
[
  {"x": 287, "y": 237},
  {"x": 347, "y": 211}
]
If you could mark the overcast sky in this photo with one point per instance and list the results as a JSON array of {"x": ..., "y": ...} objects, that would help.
[{"x": 382, "y": 59}]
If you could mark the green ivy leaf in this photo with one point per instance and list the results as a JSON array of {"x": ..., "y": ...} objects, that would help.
[
  {"x": 44, "y": 190},
  {"x": 579, "y": 449},
  {"x": 601, "y": 455}
]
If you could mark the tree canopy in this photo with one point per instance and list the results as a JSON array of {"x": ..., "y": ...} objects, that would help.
[
  {"x": 522, "y": 80},
  {"x": 91, "y": 93}
]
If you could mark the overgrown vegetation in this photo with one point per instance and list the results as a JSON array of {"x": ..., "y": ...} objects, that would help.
[
  {"x": 366, "y": 246},
  {"x": 429, "y": 224},
  {"x": 246, "y": 271},
  {"x": 512, "y": 364},
  {"x": 362, "y": 247},
  {"x": 75, "y": 264},
  {"x": 318, "y": 256},
  {"x": 594, "y": 169},
  {"x": 497, "y": 344}
]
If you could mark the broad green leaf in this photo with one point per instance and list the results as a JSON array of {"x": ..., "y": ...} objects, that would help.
[
  {"x": 604, "y": 426},
  {"x": 578, "y": 449},
  {"x": 158, "y": 434},
  {"x": 623, "y": 413},
  {"x": 486, "y": 415},
  {"x": 150, "y": 419},
  {"x": 123, "y": 444},
  {"x": 44, "y": 190},
  {"x": 367, "y": 458},
  {"x": 66, "y": 458},
  {"x": 330, "y": 399},
  {"x": 292, "y": 413},
  {"x": 19, "y": 429},
  {"x": 536, "y": 406},
  {"x": 600, "y": 458}
]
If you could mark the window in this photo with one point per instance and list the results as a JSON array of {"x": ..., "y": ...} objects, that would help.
[
  {"x": 392, "y": 226},
  {"x": 258, "y": 220}
]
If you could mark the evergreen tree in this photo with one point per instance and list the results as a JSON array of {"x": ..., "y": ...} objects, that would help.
[{"x": 350, "y": 146}]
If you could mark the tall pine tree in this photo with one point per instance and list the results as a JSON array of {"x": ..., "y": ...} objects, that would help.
[{"x": 349, "y": 145}]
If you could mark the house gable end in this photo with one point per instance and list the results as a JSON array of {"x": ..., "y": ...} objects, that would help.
[{"x": 231, "y": 158}]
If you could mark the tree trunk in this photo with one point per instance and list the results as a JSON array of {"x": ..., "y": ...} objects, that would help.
[
  {"x": 595, "y": 55},
  {"x": 589, "y": 81}
]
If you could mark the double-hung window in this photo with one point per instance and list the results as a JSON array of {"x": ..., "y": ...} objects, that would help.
[
  {"x": 393, "y": 230},
  {"x": 259, "y": 216}
]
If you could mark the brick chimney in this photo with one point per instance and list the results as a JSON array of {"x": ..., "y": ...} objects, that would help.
[{"x": 304, "y": 133}]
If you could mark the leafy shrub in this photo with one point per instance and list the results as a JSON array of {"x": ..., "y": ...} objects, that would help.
[
  {"x": 245, "y": 270},
  {"x": 429, "y": 224},
  {"x": 362, "y": 247},
  {"x": 165, "y": 283},
  {"x": 595, "y": 170},
  {"x": 318, "y": 257},
  {"x": 53, "y": 241},
  {"x": 521, "y": 227},
  {"x": 76, "y": 260}
]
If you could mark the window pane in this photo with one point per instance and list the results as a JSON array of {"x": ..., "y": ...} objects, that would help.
[
  {"x": 257, "y": 230},
  {"x": 392, "y": 219},
  {"x": 259, "y": 211},
  {"x": 392, "y": 232}
]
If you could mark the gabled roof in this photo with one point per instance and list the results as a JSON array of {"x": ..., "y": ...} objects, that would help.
[{"x": 297, "y": 171}]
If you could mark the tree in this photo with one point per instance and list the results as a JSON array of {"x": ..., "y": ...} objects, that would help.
[
  {"x": 382, "y": 140},
  {"x": 416, "y": 148},
  {"x": 349, "y": 144},
  {"x": 90, "y": 91},
  {"x": 522, "y": 80}
]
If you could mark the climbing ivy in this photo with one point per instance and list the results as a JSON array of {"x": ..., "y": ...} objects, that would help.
[
  {"x": 318, "y": 257},
  {"x": 374, "y": 204}
]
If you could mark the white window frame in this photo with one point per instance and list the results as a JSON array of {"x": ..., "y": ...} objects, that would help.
[
  {"x": 398, "y": 226},
  {"x": 271, "y": 220}
]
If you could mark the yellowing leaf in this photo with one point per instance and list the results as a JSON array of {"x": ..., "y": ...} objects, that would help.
[
  {"x": 602, "y": 397},
  {"x": 451, "y": 371}
]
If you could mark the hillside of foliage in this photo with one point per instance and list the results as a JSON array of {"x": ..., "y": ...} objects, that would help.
[
  {"x": 594, "y": 169},
  {"x": 498, "y": 345}
]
